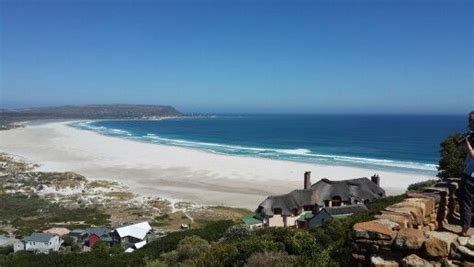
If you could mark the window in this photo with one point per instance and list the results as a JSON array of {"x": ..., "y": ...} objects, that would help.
[
  {"x": 336, "y": 201},
  {"x": 277, "y": 211},
  {"x": 295, "y": 212}
]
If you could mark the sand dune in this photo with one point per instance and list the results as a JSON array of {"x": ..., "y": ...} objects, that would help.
[{"x": 173, "y": 172}]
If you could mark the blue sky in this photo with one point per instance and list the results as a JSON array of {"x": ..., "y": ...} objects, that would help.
[{"x": 241, "y": 56}]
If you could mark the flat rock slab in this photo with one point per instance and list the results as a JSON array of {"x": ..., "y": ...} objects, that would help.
[
  {"x": 454, "y": 228},
  {"x": 438, "y": 244},
  {"x": 391, "y": 225},
  {"x": 409, "y": 238},
  {"x": 372, "y": 229}
]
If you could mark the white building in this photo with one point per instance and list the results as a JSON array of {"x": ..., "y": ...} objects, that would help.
[
  {"x": 135, "y": 234},
  {"x": 39, "y": 243}
]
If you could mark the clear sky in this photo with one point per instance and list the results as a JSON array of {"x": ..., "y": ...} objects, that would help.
[{"x": 241, "y": 56}]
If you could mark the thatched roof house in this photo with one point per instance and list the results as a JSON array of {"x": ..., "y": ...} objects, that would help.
[{"x": 324, "y": 193}]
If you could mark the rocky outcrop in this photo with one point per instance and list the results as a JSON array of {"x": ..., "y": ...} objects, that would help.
[{"x": 419, "y": 231}]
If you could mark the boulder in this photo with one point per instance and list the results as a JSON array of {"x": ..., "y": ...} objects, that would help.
[
  {"x": 438, "y": 244},
  {"x": 378, "y": 261},
  {"x": 409, "y": 238},
  {"x": 415, "y": 261}
]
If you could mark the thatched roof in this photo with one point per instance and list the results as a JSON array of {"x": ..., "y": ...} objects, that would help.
[{"x": 360, "y": 189}]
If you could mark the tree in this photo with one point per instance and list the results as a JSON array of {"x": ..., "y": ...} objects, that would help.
[{"x": 452, "y": 156}]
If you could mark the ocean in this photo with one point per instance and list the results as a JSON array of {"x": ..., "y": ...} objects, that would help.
[{"x": 406, "y": 143}]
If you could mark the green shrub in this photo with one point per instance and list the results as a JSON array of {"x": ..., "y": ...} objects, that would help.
[{"x": 452, "y": 156}]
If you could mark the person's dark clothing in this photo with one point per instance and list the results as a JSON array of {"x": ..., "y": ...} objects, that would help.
[{"x": 466, "y": 197}]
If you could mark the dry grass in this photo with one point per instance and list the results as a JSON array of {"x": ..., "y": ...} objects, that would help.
[
  {"x": 171, "y": 221},
  {"x": 216, "y": 213}
]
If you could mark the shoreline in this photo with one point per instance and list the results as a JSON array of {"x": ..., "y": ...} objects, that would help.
[
  {"x": 172, "y": 172},
  {"x": 382, "y": 164}
]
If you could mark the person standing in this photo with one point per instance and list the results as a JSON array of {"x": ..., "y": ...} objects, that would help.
[{"x": 466, "y": 189}]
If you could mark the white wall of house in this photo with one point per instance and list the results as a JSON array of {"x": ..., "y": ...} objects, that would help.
[
  {"x": 18, "y": 246},
  {"x": 282, "y": 221},
  {"x": 291, "y": 220},
  {"x": 41, "y": 247},
  {"x": 276, "y": 220}
]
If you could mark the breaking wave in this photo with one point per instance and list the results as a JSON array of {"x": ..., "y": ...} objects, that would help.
[{"x": 296, "y": 154}]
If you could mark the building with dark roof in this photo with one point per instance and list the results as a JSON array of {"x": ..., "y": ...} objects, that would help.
[
  {"x": 328, "y": 213},
  {"x": 284, "y": 210}
]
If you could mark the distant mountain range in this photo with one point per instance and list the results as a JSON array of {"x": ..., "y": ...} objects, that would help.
[{"x": 116, "y": 111}]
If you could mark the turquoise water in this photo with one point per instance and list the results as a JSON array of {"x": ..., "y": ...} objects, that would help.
[{"x": 394, "y": 142}]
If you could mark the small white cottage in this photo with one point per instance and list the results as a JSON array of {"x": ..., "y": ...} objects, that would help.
[{"x": 39, "y": 243}]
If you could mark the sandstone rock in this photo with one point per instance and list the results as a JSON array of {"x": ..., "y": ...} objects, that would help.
[
  {"x": 432, "y": 226},
  {"x": 414, "y": 213},
  {"x": 409, "y": 238},
  {"x": 463, "y": 240},
  {"x": 400, "y": 220},
  {"x": 399, "y": 212},
  {"x": 378, "y": 242},
  {"x": 425, "y": 204},
  {"x": 465, "y": 251},
  {"x": 372, "y": 229},
  {"x": 380, "y": 262},
  {"x": 415, "y": 261},
  {"x": 438, "y": 244},
  {"x": 391, "y": 225},
  {"x": 470, "y": 243},
  {"x": 418, "y": 208},
  {"x": 432, "y": 196}
]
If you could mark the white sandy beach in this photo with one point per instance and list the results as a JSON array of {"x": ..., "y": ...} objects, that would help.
[{"x": 173, "y": 172}]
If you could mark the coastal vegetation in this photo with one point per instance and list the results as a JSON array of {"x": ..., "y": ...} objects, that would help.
[
  {"x": 223, "y": 243},
  {"x": 211, "y": 241},
  {"x": 452, "y": 156}
]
